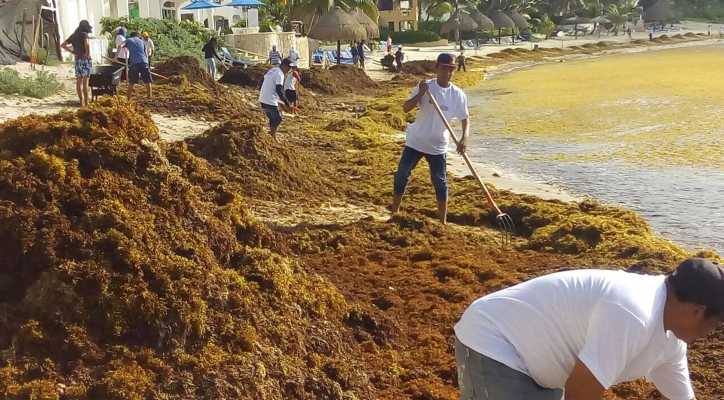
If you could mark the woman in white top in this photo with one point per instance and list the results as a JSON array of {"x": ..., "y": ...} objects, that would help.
[
  {"x": 121, "y": 52},
  {"x": 290, "y": 86}
]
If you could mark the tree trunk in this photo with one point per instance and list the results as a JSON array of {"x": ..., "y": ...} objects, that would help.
[{"x": 339, "y": 52}]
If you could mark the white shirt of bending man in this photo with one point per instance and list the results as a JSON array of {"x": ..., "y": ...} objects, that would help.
[
  {"x": 268, "y": 93},
  {"x": 613, "y": 321}
]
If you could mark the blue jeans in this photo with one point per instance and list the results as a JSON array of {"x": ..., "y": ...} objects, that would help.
[
  {"x": 273, "y": 114},
  {"x": 482, "y": 378},
  {"x": 438, "y": 171},
  {"x": 211, "y": 67}
]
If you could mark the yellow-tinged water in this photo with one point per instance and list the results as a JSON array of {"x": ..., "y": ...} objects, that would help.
[
  {"x": 656, "y": 108},
  {"x": 641, "y": 130}
]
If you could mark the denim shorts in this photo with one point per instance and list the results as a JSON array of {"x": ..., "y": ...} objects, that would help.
[
  {"x": 139, "y": 70},
  {"x": 83, "y": 67},
  {"x": 438, "y": 171},
  {"x": 482, "y": 378},
  {"x": 273, "y": 114}
]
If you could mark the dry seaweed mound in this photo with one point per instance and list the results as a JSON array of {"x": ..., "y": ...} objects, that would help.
[
  {"x": 181, "y": 97},
  {"x": 338, "y": 79},
  {"x": 252, "y": 76},
  {"x": 419, "y": 67},
  {"x": 265, "y": 169},
  {"x": 184, "y": 66},
  {"x": 127, "y": 274}
]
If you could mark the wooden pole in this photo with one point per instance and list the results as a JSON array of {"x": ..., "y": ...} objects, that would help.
[{"x": 22, "y": 36}]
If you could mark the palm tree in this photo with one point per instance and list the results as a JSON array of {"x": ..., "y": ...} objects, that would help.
[{"x": 617, "y": 15}]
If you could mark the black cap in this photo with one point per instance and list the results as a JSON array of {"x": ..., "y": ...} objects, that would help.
[
  {"x": 446, "y": 60},
  {"x": 286, "y": 62},
  {"x": 702, "y": 282}
]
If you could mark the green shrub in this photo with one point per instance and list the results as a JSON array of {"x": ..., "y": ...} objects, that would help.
[
  {"x": 431, "y": 26},
  {"x": 171, "y": 38},
  {"x": 408, "y": 37},
  {"x": 42, "y": 84},
  {"x": 10, "y": 81},
  {"x": 41, "y": 56}
]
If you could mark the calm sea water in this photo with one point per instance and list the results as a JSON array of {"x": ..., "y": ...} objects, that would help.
[{"x": 683, "y": 203}]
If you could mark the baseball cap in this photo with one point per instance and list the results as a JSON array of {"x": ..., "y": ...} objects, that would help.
[
  {"x": 145, "y": 34},
  {"x": 702, "y": 282},
  {"x": 446, "y": 60}
]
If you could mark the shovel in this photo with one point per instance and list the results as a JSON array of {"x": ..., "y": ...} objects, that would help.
[{"x": 505, "y": 223}]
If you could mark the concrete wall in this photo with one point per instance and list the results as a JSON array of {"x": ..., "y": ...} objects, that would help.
[{"x": 261, "y": 43}]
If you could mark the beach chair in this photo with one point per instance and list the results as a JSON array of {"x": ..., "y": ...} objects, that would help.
[{"x": 228, "y": 60}]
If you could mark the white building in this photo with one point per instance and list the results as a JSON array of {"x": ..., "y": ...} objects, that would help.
[{"x": 71, "y": 12}]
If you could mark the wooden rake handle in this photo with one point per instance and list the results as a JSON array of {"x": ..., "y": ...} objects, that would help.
[
  {"x": 465, "y": 154},
  {"x": 120, "y": 63}
]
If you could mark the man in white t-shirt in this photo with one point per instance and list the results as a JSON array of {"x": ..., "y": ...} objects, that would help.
[
  {"x": 293, "y": 56},
  {"x": 427, "y": 136},
  {"x": 271, "y": 95},
  {"x": 584, "y": 331}
]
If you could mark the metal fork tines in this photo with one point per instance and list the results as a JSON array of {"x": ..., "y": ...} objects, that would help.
[{"x": 507, "y": 229}]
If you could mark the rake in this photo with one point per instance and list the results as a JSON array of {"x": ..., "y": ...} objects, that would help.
[{"x": 504, "y": 221}]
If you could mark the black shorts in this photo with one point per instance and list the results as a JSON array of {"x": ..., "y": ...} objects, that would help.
[
  {"x": 291, "y": 95},
  {"x": 139, "y": 70},
  {"x": 273, "y": 114}
]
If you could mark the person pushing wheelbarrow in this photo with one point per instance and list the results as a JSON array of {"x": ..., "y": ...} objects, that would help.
[{"x": 438, "y": 100}]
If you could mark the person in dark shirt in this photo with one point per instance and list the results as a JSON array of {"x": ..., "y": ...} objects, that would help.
[
  {"x": 78, "y": 44},
  {"x": 461, "y": 61},
  {"x": 399, "y": 57},
  {"x": 355, "y": 53},
  {"x": 361, "y": 54},
  {"x": 138, "y": 63},
  {"x": 210, "y": 53}
]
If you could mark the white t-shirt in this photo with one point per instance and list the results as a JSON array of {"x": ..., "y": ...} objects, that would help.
[
  {"x": 293, "y": 56},
  {"x": 122, "y": 52},
  {"x": 428, "y": 133},
  {"x": 290, "y": 81},
  {"x": 268, "y": 93},
  {"x": 611, "y": 320}
]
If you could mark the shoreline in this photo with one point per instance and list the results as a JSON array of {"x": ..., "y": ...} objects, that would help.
[{"x": 508, "y": 180}]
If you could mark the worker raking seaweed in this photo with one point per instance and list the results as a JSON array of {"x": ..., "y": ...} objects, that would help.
[
  {"x": 428, "y": 137},
  {"x": 580, "y": 332},
  {"x": 271, "y": 95}
]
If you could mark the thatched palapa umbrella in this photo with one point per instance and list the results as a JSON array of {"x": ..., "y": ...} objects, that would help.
[
  {"x": 520, "y": 22},
  {"x": 484, "y": 23},
  {"x": 373, "y": 30},
  {"x": 501, "y": 22},
  {"x": 597, "y": 21},
  {"x": 337, "y": 25},
  {"x": 467, "y": 23},
  {"x": 575, "y": 21}
]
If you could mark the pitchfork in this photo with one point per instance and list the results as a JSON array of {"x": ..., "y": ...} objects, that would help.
[{"x": 505, "y": 223}]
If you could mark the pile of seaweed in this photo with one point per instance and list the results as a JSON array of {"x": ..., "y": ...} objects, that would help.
[
  {"x": 251, "y": 76},
  {"x": 185, "y": 66},
  {"x": 419, "y": 67},
  {"x": 124, "y": 275},
  {"x": 338, "y": 79},
  {"x": 262, "y": 167},
  {"x": 182, "y": 97}
]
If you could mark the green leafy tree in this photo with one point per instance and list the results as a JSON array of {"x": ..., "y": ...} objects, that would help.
[
  {"x": 439, "y": 9},
  {"x": 546, "y": 26},
  {"x": 171, "y": 38}
]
